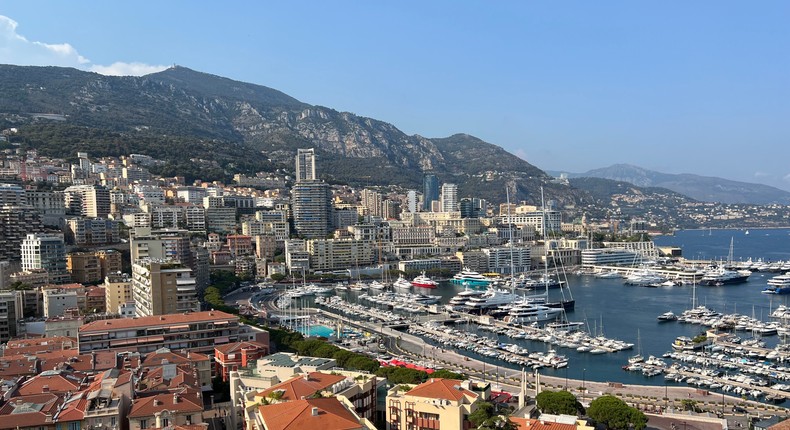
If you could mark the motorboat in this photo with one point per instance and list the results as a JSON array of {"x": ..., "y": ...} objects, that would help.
[
  {"x": 529, "y": 313},
  {"x": 401, "y": 284},
  {"x": 424, "y": 281},
  {"x": 667, "y": 316}
]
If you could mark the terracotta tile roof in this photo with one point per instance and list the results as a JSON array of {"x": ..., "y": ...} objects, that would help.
[
  {"x": 42, "y": 344},
  {"x": 238, "y": 346},
  {"x": 148, "y": 406},
  {"x": 29, "y": 411},
  {"x": 154, "y": 379},
  {"x": 530, "y": 424},
  {"x": 18, "y": 365},
  {"x": 440, "y": 388},
  {"x": 56, "y": 383},
  {"x": 781, "y": 425},
  {"x": 303, "y": 386},
  {"x": 156, "y": 320},
  {"x": 157, "y": 357},
  {"x": 331, "y": 415},
  {"x": 74, "y": 408}
]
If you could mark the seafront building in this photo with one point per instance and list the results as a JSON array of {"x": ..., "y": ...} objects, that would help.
[{"x": 47, "y": 252}]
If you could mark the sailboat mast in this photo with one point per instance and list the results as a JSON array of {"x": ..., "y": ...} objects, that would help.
[
  {"x": 510, "y": 242},
  {"x": 545, "y": 243}
]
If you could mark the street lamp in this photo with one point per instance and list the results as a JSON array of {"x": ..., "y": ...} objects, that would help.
[{"x": 584, "y": 379}]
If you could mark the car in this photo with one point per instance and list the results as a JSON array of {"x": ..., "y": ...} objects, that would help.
[{"x": 739, "y": 409}]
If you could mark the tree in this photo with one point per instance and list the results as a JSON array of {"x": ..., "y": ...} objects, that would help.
[
  {"x": 559, "y": 402},
  {"x": 277, "y": 277},
  {"x": 483, "y": 412},
  {"x": 616, "y": 414},
  {"x": 498, "y": 422}
]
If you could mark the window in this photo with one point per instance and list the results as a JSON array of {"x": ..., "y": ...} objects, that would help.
[
  {"x": 74, "y": 426},
  {"x": 143, "y": 424},
  {"x": 112, "y": 421},
  {"x": 165, "y": 422},
  {"x": 189, "y": 419}
]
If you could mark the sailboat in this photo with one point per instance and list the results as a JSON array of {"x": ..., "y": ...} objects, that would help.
[{"x": 638, "y": 358}]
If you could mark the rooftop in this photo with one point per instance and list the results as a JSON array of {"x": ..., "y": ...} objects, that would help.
[
  {"x": 324, "y": 413},
  {"x": 156, "y": 320}
]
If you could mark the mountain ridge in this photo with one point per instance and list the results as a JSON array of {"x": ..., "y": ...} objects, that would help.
[
  {"x": 266, "y": 124},
  {"x": 697, "y": 187}
]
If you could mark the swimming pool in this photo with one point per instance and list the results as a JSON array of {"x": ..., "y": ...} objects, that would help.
[{"x": 317, "y": 331}]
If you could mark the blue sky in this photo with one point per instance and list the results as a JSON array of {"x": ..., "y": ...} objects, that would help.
[{"x": 679, "y": 87}]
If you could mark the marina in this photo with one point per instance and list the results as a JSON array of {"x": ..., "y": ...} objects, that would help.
[{"x": 748, "y": 362}]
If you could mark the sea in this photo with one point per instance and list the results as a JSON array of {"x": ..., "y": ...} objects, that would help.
[{"x": 608, "y": 307}]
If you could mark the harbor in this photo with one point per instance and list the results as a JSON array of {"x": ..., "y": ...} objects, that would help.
[{"x": 744, "y": 358}]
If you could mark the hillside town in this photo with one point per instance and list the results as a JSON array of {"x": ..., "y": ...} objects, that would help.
[{"x": 109, "y": 318}]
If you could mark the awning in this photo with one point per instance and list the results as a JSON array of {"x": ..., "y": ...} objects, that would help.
[
  {"x": 223, "y": 339},
  {"x": 153, "y": 339},
  {"x": 123, "y": 342},
  {"x": 180, "y": 327},
  {"x": 98, "y": 333},
  {"x": 220, "y": 322}
]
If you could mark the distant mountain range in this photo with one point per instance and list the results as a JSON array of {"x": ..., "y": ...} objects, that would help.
[
  {"x": 701, "y": 188},
  {"x": 206, "y": 126},
  {"x": 189, "y": 118}
]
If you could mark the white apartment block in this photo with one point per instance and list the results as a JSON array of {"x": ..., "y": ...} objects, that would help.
[
  {"x": 508, "y": 260},
  {"x": 449, "y": 197},
  {"x": 337, "y": 254},
  {"x": 161, "y": 287},
  {"x": 48, "y": 252}
]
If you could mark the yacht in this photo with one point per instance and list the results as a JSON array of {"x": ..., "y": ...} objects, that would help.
[
  {"x": 612, "y": 274},
  {"x": 644, "y": 277},
  {"x": 401, "y": 284},
  {"x": 667, "y": 316},
  {"x": 779, "y": 284},
  {"x": 376, "y": 285},
  {"x": 529, "y": 313},
  {"x": 491, "y": 299},
  {"x": 470, "y": 277},
  {"x": 461, "y": 298},
  {"x": 423, "y": 281},
  {"x": 721, "y": 276}
]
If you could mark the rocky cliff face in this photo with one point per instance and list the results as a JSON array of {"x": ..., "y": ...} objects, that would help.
[{"x": 272, "y": 125}]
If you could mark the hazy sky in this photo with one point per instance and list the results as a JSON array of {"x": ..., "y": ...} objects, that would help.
[{"x": 679, "y": 87}]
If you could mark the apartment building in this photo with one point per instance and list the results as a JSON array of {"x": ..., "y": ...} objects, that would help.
[
  {"x": 163, "y": 287},
  {"x": 197, "y": 332}
]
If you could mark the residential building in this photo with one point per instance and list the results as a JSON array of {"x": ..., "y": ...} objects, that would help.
[
  {"x": 233, "y": 356},
  {"x": 325, "y": 414},
  {"x": 449, "y": 198},
  {"x": 88, "y": 200},
  {"x": 11, "y": 311},
  {"x": 195, "y": 332},
  {"x": 91, "y": 231},
  {"x": 311, "y": 204},
  {"x": 336, "y": 254},
  {"x": 84, "y": 267},
  {"x": 305, "y": 165},
  {"x": 165, "y": 358},
  {"x": 221, "y": 219},
  {"x": 163, "y": 287},
  {"x": 58, "y": 300},
  {"x": 110, "y": 261},
  {"x": 239, "y": 245},
  {"x": 436, "y": 404},
  {"x": 117, "y": 291},
  {"x": 48, "y": 252},
  {"x": 170, "y": 410},
  {"x": 430, "y": 190},
  {"x": 15, "y": 223}
]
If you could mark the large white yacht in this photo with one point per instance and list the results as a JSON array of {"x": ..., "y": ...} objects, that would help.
[
  {"x": 529, "y": 313},
  {"x": 470, "y": 277},
  {"x": 491, "y": 299}
]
